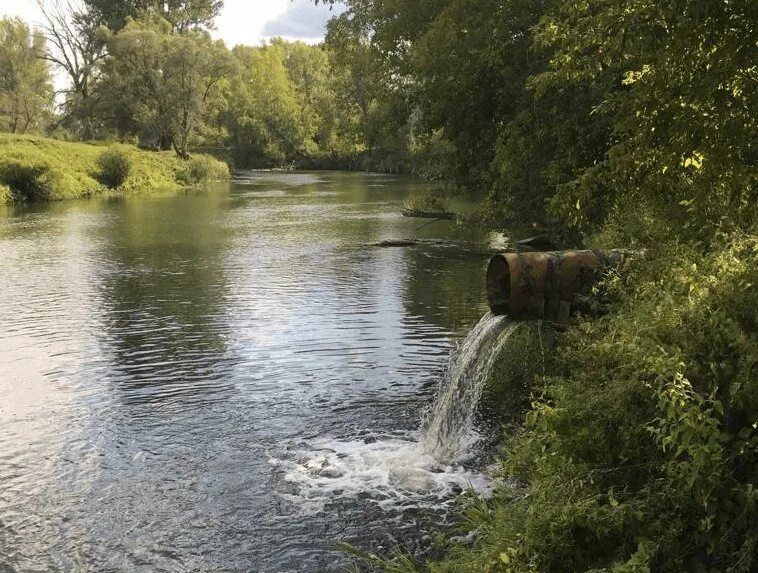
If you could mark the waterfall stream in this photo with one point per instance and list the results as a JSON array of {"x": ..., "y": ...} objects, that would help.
[
  {"x": 448, "y": 426},
  {"x": 424, "y": 468}
]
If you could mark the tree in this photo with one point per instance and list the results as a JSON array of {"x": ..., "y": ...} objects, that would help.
[
  {"x": 26, "y": 91},
  {"x": 379, "y": 114},
  {"x": 157, "y": 85},
  {"x": 678, "y": 86},
  {"x": 76, "y": 45},
  {"x": 265, "y": 120},
  {"x": 183, "y": 15},
  {"x": 462, "y": 72},
  {"x": 194, "y": 67}
]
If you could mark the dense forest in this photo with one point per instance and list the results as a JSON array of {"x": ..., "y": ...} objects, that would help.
[{"x": 626, "y": 123}]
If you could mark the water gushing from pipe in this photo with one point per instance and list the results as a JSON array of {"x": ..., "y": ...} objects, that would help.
[
  {"x": 422, "y": 468},
  {"x": 448, "y": 426}
]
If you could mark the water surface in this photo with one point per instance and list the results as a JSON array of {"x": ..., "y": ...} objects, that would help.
[{"x": 225, "y": 380}]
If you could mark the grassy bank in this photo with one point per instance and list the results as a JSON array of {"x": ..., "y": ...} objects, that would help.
[{"x": 39, "y": 169}]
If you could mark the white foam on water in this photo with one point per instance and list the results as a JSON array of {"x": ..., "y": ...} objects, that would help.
[
  {"x": 422, "y": 469},
  {"x": 393, "y": 473}
]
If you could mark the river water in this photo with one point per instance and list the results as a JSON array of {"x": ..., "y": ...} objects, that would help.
[{"x": 226, "y": 380}]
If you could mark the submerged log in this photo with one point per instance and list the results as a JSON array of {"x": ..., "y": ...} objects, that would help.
[
  {"x": 407, "y": 243},
  {"x": 545, "y": 285},
  {"x": 419, "y": 214},
  {"x": 396, "y": 243}
]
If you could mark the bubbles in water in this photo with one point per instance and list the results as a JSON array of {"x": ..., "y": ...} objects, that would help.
[
  {"x": 422, "y": 469},
  {"x": 392, "y": 472}
]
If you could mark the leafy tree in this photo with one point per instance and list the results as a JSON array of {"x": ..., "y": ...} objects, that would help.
[
  {"x": 157, "y": 85},
  {"x": 26, "y": 91},
  {"x": 309, "y": 71},
  {"x": 76, "y": 45},
  {"x": 182, "y": 14},
  {"x": 381, "y": 118},
  {"x": 265, "y": 120},
  {"x": 681, "y": 96}
]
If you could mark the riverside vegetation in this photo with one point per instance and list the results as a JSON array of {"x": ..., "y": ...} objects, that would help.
[
  {"x": 40, "y": 169},
  {"x": 632, "y": 123}
]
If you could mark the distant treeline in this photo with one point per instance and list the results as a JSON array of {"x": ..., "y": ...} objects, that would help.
[{"x": 148, "y": 73}]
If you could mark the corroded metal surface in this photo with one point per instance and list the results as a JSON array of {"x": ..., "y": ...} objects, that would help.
[{"x": 545, "y": 285}]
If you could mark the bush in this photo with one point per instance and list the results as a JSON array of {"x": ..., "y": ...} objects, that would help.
[
  {"x": 35, "y": 181},
  {"x": 6, "y": 196},
  {"x": 115, "y": 164},
  {"x": 427, "y": 201},
  {"x": 202, "y": 169},
  {"x": 640, "y": 450}
]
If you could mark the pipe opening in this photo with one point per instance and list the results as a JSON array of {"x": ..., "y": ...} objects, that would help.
[{"x": 498, "y": 284}]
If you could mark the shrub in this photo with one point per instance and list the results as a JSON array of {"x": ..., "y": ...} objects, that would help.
[
  {"x": 115, "y": 164},
  {"x": 640, "y": 449},
  {"x": 33, "y": 181},
  {"x": 202, "y": 169},
  {"x": 5, "y": 194},
  {"x": 427, "y": 201}
]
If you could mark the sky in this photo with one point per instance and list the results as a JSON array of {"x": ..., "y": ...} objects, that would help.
[{"x": 241, "y": 22}]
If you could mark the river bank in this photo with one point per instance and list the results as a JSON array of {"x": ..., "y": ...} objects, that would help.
[
  {"x": 36, "y": 168},
  {"x": 637, "y": 442}
]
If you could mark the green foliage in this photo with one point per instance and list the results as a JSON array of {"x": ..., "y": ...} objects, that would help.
[
  {"x": 40, "y": 169},
  {"x": 183, "y": 14},
  {"x": 115, "y": 165},
  {"x": 159, "y": 86},
  {"x": 26, "y": 91},
  {"x": 265, "y": 121},
  {"x": 427, "y": 200},
  {"x": 202, "y": 169},
  {"x": 674, "y": 80},
  {"x": 399, "y": 562},
  {"x": 34, "y": 181},
  {"x": 6, "y": 196},
  {"x": 527, "y": 357}
]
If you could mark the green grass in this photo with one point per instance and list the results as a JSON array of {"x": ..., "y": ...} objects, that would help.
[{"x": 36, "y": 168}]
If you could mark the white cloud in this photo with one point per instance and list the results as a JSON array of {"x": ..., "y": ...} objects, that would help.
[
  {"x": 27, "y": 10},
  {"x": 303, "y": 20},
  {"x": 242, "y": 21}
]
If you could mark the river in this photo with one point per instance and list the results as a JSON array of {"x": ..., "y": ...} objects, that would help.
[{"x": 229, "y": 379}]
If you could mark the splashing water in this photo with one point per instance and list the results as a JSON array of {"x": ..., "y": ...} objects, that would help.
[
  {"x": 420, "y": 468},
  {"x": 448, "y": 427}
]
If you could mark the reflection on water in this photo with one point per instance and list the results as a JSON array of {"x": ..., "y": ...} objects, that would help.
[{"x": 228, "y": 380}]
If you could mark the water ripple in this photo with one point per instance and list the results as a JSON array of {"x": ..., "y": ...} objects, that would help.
[{"x": 170, "y": 367}]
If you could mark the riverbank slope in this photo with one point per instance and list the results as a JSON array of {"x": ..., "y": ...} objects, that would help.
[{"x": 36, "y": 168}]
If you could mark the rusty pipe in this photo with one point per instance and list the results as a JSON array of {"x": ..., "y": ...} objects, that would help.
[{"x": 545, "y": 285}]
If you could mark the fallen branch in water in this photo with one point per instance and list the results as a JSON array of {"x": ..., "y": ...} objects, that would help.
[{"x": 419, "y": 214}]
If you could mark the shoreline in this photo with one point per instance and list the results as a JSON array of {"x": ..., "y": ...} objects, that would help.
[{"x": 37, "y": 170}]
